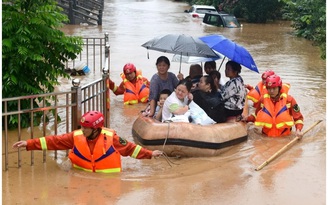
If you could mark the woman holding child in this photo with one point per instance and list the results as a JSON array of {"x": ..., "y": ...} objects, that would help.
[{"x": 176, "y": 105}]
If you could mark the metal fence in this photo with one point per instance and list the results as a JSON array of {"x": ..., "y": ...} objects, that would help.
[{"x": 65, "y": 108}]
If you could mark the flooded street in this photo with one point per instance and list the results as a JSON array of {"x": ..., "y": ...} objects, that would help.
[{"x": 298, "y": 176}]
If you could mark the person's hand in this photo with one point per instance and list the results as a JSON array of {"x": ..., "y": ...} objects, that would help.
[
  {"x": 249, "y": 87},
  {"x": 190, "y": 97},
  {"x": 299, "y": 134},
  {"x": 157, "y": 153},
  {"x": 111, "y": 84},
  {"x": 180, "y": 76},
  {"x": 20, "y": 144},
  {"x": 160, "y": 104}
]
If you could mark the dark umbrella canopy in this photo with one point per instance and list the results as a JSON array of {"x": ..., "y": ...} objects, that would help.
[
  {"x": 231, "y": 50},
  {"x": 180, "y": 44}
]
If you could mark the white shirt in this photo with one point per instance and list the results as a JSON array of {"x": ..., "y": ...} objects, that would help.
[{"x": 172, "y": 99}]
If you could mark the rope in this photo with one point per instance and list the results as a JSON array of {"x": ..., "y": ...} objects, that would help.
[{"x": 164, "y": 155}]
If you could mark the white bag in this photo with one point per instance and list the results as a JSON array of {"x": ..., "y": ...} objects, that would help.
[{"x": 198, "y": 115}]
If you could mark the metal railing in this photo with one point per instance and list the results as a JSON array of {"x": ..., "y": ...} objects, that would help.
[
  {"x": 83, "y": 11},
  {"x": 65, "y": 108}
]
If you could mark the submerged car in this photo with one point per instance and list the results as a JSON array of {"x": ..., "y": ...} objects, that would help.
[
  {"x": 221, "y": 20},
  {"x": 199, "y": 11}
]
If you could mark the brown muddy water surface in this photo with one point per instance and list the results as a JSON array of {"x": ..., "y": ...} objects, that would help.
[{"x": 296, "y": 177}]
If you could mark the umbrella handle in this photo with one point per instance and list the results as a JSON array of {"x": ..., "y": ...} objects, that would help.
[
  {"x": 221, "y": 63},
  {"x": 180, "y": 63}
]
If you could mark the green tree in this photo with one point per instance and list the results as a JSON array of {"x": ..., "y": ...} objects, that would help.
[
  {"x": 34, "y": 50},
  {"x": 309, "y": 20}
]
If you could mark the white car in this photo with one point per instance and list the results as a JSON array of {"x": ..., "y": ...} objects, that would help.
[{"x": 198, "y": 11}]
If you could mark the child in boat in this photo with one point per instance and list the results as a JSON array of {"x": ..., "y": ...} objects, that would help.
[{"x": 162, "y": 97}]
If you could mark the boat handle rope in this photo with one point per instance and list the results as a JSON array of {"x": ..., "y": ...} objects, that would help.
[{"x": 164, "y": 155}]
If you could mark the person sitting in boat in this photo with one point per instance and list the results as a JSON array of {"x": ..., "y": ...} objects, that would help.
[
  {"x": 278, "y": 112},
  {"x": 163, "y": 95},
  {"x": 233, "y": 93},
  {"x": 160, "y": 81},
  {"x": 93, "y": 148},
  {"x": 216, "y": 75},
  {"x": 206, "y": 97},
  {"x": 176, "y": 105},
  {"x": 195, "y": 73},
  {"x": 209, "y": 66},
  {"x": 134, "y": 86}
]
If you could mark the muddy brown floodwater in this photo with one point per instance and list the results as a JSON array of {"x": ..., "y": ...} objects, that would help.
[{"x": 296, "y": 177}]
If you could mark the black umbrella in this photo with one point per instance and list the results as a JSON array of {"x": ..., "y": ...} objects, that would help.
[{"x": 181, "y": 44}]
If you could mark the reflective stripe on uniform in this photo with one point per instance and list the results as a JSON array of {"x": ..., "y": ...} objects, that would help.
[
  {"x": 299, "y": 122},
  {"x": 136, "y": 151},
  {"x": 43, "y": 143}
]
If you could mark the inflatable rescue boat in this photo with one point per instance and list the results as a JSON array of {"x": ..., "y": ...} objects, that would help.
[{"x": 180, "y": 139}]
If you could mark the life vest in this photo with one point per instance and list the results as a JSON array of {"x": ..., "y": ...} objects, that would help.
[
  {"x": 105, "y": 157},
  {"x": 256, "y": 93},
  {"x": 135, "y": 93},
  {"x": 275, "y": 118}
]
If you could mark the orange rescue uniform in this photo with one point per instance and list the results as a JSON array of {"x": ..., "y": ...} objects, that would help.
[
  {"x": 256, "y": 93},
  {"x": 134, "y": 91},
  {"x": 277, "y": 117},
  {"x": 99, "y": 155}
]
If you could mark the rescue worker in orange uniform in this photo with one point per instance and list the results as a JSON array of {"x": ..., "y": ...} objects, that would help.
[
  {"x": 278, "y": 112},
  {"x": 255, "y": 94},
  {"x": 94, "y": 148},
  {"x": 134, "y": 86}
]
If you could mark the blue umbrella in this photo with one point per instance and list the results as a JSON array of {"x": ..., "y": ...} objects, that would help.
[{"x": 231, "y": 50}]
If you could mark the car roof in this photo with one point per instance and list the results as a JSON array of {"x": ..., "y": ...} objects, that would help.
[{"x": 203, "y": 6}]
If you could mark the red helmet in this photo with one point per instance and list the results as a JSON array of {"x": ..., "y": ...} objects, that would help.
[
  {"x": 267, "y": 73},
  {"x": 92, "y": 119},
  {"x": 273, "y": 81},
  {"x": 129, "y": 68}
]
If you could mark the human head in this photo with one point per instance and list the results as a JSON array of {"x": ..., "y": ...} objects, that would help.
[
  {"x": 164, "y": 94},
  {"x": 206, "y": 84},
  {"x": 232, "y": 69},
  {"x": 266, "y": 74},
  {"x": 92, "y": 119},
  {"x": 195, "y": 70},
  {"x": 91, "y": 123},
  {"x": 209, "y": 66},
  {"x": 162, "y": 64},
  {"x": 216, "y": 75},
  {"x": 273, "y": 85},
  {"x": 129, "y": 71},
  {"x": 183, "y": 88}
]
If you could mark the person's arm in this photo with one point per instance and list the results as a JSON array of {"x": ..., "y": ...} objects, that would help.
[
  {"x": 158, "y": 115},
  {"x": 153, "y": 94},
  {"x": 117, "y": 90},
  {"x": 126, "y": 148},
  {"x": 53, "y": 142},
  {"x": 295, "y": 111},
  {"x": 177, "y": 109},
  {"x": 152, "y": 108}
]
